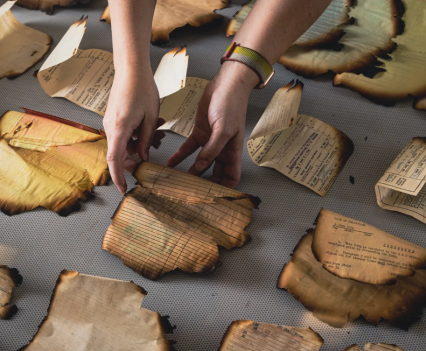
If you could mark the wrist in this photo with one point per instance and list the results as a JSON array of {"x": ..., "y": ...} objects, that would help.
[{"x": 237, "y": 75}]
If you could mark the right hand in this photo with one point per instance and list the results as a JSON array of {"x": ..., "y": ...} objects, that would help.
[{"x": 132, "y": 112}]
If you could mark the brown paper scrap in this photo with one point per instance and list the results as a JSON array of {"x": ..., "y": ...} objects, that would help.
[
  {"x": 172, "y": 14},
  {"x": 324, "y": 31},
  {"x": 48, "y": 5},
  {"x": 404, "y": 74},
  {"x": 352, "y": 249},
  {"x": 374, "y": 347},
  {"x": 48, "y": 163},
  {"x": 21, "y": 47},
  {"x": 361, "y": 35},
  {"x": 93, "y": 313},
  {"x": 303, "y": 148},
  {"x": 173, "y": 220},
  {"x": 85, "y": 77},
  {"x": 336, "y": 301},
  {"x": 245, "y": 335},
  {"x": 402, "y": 187},
  {"x": 9, "y": 279}
]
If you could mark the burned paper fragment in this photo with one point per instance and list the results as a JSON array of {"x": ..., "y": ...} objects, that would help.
[
  {"x": 324, "y": 31},
  {"x": 85, "y": 77},
  {"x": 303, "y": 148},
  {"x": 172, "y": 14},
  {"x": 48, "y": 163},
  {"x": 21, "y": 47},
  {"x": 352, "y": 249},
  {"x": 335, "y": 43},
  {"x": 93, "y": 313},
  {"x": 374, "y": 347},
  {"x": 245, "y": 335},
  {"x": 48, "y": 5},
  {"x": 173, "y": 220},
  {"x": 402, "y": 187},
  {"x": 9, "y": 279},
  {"x": 404, "y": 72},
  {"x": 337, "y": 301},
  {"x": 376, "y": 22}
]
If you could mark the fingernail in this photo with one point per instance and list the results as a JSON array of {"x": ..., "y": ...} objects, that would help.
[{"x": 201, "y": 165}]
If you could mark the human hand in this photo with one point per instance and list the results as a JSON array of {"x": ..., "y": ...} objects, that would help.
[
  {"x": 132, "y": 112},
  {"x": 220, "y": 125}
]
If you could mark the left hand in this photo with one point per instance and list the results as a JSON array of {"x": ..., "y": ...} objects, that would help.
[{"x": 220, "y": 125}]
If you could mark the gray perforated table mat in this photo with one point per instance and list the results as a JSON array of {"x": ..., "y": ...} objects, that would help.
[{"x": 40, "y": 243}]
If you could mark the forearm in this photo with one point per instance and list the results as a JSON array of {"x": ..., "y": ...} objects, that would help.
[
  {"x": 131, "y": 22},
  {"x": 274, "y": 25}
]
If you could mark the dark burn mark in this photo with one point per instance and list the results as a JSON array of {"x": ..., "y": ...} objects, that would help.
[{"x": 352, "y": 179}]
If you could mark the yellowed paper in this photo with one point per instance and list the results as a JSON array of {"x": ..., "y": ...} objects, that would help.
[
  {"x": 179, "y": 109},
  {"x": 245, "y": 335},
  {"x": 48, "y": 162},
  {"x": 20, "y": 46},
  {"x": 374, "y": 347},
  {"x": 352, "y": 249},
  {"x": 85, "y": 77},
  {"x": 172, "y": 14},
  {"x": 337, "y": 301},
  {"x": 303, "y": 148},
  {"x": 173, "y": 220},
  {"x": 402, "y": 187},
  {"x": 9, "y": 279},
  {"x": 325, "y": 30},
  {"x": 89, "y": 313}
]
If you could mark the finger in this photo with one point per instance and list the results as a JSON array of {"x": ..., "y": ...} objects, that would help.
[
  {"x": 232, "y": 174},
  {"x": 145, "y": 137},
  {"x": 116, "y": 154},
  {"x": 129, "y": 165},
  {"x": 186, "y": 149},
  {"x": 212, "y": 149},
  {"x": 194, "y": 171},
  {"x": 217, "y": 172}
]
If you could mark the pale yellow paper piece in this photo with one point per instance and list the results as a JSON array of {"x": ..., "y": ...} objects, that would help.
[
  {"x": 85, "y": 77},
  {"x": 352, "y": 249},
  {"x": 9, "y": 279},
  {"x": 374, "y": 347},
  {"x": 173, "y": 220},
  {"x": 48, "y": 5},
  {"x": 48, "y": 163},
  {"x": 336, "y": 301},
  {"x": 172, "y": 14},
  {"x": 404, "y": 73},
  {"x": 245, "y": 335},
  {"x": 420, "y": 104},
  {"x": 325, "y": 30},
  {"x": 179, "y": 109},
  {"x": 20, "y": 46},
  {"x": 303, "y": 148},
  {"x": 89, "y": 313},
  {"x": 402, "y": 187}
]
